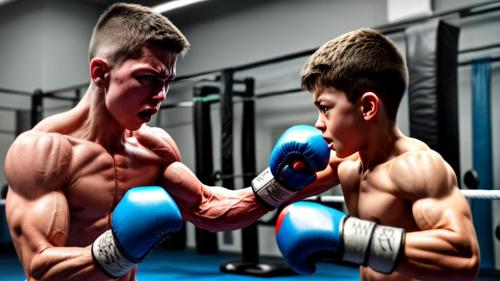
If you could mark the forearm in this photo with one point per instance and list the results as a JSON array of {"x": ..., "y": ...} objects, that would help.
[
  {"x": 65, "y": 263},
  {"x": 310, "y": 190},
  {"x": 221, "y": 209},
  {"x": 325, "y": 180},
  {"x": 439, "y": 254}
]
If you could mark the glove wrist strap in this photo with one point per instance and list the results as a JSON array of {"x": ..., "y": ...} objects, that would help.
[
  {"x": 376, "y": 246},
  {"x": 386, "y": 248},
  {"x": 356, "y": 236},
  {"x": 108, "y": 257},
  {"x": 269, "y": 190}
]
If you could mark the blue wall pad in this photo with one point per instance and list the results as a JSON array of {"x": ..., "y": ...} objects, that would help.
[{"x": 482, "y": 157}]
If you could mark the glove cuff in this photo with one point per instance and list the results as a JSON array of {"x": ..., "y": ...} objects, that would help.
[
  {"x": 108, "y": 256},
  {"x": 269, "y": 190},
  {"x": 356, "y": 236},
  {"x": 377, "y": 246},
  {"x": 386, "y": 248}
]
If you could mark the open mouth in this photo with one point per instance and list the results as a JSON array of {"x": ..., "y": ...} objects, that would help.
[{"x": 145, "y": 115}]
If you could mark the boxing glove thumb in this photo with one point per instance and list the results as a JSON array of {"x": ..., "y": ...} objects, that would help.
[
  {"x": 306, "y": 231},
  {"x": 142, "y": 219}
]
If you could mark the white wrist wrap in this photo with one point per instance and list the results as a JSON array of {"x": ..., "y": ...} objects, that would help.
[
  {"x": 372, "y": 245},
  {"x": 267, "y": 188},
  {"x": 356, "y": 235},
  {"x": 385, "y": 249},
  {"x": 108, "y": 257}
]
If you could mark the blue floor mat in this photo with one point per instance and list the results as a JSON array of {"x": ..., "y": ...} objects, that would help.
[{"x": 188, "y": 265}]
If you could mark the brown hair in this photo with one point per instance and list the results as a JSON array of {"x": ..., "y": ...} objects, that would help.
[
  {"x": 123, "y": 29},
  {"x": 360, "y": 61}
]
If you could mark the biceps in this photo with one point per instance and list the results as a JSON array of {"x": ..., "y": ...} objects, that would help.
[
  {"x": 182, "y": 184},
  {"x": 446, "y": 241},
  {"x": 450, "y": 212},
  {"x": 37, "y": 224}
]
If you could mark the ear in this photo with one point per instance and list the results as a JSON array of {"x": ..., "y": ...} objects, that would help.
[
  {"x": 370, "y": 105},
  {"x": 99, "y": 72}
]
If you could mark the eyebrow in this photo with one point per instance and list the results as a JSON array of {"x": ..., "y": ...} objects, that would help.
[
  {"x": 159, "y": 74},
  {"x": 317, "y": 102}
]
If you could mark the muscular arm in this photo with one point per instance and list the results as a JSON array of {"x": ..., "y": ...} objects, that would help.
[
  {"x": 211, "y": 207},
  {"x": 37, "y": 210},
  {"x": 326, "y": 179},
  {"x": 445, "y": 246}
]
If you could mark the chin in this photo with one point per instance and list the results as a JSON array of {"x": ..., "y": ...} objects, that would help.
[
  {"x": 134, "y": 127},
  {"x": 343, "y": 154},
  {"x": 339, "y": 154}
]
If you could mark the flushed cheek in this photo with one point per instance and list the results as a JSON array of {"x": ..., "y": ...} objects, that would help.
[
  {"x": 121, "y": 108},
  {"x": 332, "y": 127},
  {"x": 127, "y": 97},
  {"x": 339, "y": 135}
]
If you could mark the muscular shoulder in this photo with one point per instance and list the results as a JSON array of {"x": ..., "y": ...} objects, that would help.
[
  {"x": 38, "y": 162},
  {"x": 346, "y": 166},
  {"x": 160, "y": 142},
  {"x": 422, "y": 173}
]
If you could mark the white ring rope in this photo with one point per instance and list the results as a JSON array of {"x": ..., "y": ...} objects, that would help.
[
  {"x": 481, "y": 194},
  {"x": 468, "y": 193}
]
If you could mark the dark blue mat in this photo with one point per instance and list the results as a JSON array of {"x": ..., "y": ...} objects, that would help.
[{"x": 187, "y": 265}]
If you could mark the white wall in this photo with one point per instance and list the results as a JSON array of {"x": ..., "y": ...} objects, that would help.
[
  {"x": 20, "y": 42},
  {"x": 274, "y": 28},
  {"x": 67, "y": 28},
  {"x": 43, "y": 45}
]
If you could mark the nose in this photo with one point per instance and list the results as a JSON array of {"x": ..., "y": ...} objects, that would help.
[
  {"x": 320, "y": 124},
  {"x": 160, "y": 95}
]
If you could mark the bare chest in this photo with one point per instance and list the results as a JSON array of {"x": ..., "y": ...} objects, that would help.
[
  {"x": 373, "y": 196},
  {"x": 98, "y": 181}
]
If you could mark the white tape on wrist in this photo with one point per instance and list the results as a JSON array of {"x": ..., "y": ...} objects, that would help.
[
  {"x": 356, "y": 236},
  {"x": 385, "y": 249},
  {"x": 267, "y": 188},
  {"x": 108, "y": 257}
]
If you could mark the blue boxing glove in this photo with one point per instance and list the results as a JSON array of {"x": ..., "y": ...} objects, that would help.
[
  {"x": 307, "y": 232},
  {"x": 279, "y": 182},
  {"x": 141, "y": 220}
]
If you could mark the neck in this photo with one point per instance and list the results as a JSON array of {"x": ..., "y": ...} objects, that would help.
[
  {"x": 382, "y": 147},
  {"x": 98, "y": 125}
]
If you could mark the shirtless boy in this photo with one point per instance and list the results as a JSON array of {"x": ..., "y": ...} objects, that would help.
[
  {"x": 92, "y": 190},
  {"x": 407, "y": 218}
]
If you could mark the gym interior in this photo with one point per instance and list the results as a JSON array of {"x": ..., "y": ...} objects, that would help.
[{"x": 238, "y": 89}]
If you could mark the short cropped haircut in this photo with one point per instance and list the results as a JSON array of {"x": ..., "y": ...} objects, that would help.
[
  {"x": 123, "y": 29},
  {"x": 357, "y": 62}
]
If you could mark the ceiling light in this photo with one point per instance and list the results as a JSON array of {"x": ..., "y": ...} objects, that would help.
[
  {"x": 171, "y": 5},
  {"x": 5, "y": 1}
]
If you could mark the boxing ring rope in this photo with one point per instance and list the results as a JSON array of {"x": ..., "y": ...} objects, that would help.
[
  {"x": 481, "y": 194},
  {"x": 468, "y": 193}
]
